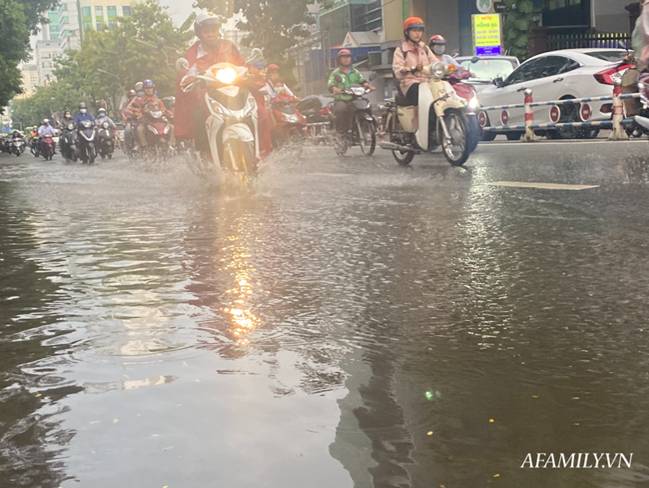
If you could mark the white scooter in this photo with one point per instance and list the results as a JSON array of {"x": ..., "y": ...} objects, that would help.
[
  {"x": 232, "y": 126},
  {"x": 441, "y": 119}
]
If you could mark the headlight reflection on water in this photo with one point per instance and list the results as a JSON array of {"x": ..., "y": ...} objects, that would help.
[{"x": 241, "y": 319}]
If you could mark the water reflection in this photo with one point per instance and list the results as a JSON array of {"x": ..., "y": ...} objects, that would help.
[
  {"x": 400, "y": 328},
  {"x": 31, "y": 434}
]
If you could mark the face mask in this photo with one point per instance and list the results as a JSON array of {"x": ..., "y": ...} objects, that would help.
[
  {"x": 439, "y": 49},
  {"x": 83, "y": 111}
]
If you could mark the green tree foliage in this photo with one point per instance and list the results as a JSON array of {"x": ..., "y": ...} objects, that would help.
[
  {"x": 142, "y": 46},
  {"x": 518, "y": 21},
  {"x": 17, "y": 19},
  {"x": 273, "y": 25}
]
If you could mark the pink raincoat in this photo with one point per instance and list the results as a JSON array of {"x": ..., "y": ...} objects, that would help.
[{"x": 410, "y": 55}]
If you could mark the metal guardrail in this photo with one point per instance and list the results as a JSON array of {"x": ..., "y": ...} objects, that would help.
[
  {"x": 617, "y": 122},
  {"x": 603, "y": 98}
]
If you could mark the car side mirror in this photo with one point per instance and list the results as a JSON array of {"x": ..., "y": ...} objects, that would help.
[{"x": 499, "y": 82}]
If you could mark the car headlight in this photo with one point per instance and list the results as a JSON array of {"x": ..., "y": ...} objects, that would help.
[
  {"x": 474, "y": 103},
  {"x": 227, "y": 76}
]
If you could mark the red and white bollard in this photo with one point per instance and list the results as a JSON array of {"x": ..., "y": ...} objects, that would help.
[
  {"x": 529, "y": 116},
  {"x": 618, "y": 133}
]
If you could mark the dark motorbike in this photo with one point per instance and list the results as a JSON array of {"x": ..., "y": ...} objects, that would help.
[
  {"x": 363, "y": 132},
  {"x": 68, "y": 143},
  {"x": 318, "y": 116},
  {"x": 86, "y": 140},
  {"x": 130, "y": 139},
  {"x": 35, "y": 147},
  {"x": 105, "y": 141}
]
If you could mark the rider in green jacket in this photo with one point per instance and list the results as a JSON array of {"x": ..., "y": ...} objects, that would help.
[{"x": 341, "y": 79}]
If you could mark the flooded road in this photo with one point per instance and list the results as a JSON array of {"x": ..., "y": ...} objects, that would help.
[{"x": 349, "y": 324}]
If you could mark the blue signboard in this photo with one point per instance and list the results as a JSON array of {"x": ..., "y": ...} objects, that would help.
[{"x": 489, "y": 50}]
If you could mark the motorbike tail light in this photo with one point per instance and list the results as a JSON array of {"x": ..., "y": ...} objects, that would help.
[{"x": 611, "y": 75}]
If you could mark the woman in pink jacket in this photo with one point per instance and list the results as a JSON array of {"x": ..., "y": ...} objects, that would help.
[{"x": 410, "y": 59}]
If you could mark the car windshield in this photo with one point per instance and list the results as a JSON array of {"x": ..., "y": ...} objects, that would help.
[
  {"x": 489, "y": 69},
  {"x": 610, "y": 56}
]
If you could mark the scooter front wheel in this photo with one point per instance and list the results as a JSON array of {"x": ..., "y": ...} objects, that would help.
[
  {"x": 456, "y": 147},
  {"x": 404, "y": 158},
  {"x": 366, "y": 135}
]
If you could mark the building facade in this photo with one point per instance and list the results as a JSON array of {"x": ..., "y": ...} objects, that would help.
[
  {"x": 63, "y": 25},
  {"x": 46, "y": 54},
  {"x": 102, "y": 14},
  {"x": 453, "y": 18},
  {"x": 30, "y": 79},
  {"x": 349, "y": 16},
  {"x": 64, "y": 31}
]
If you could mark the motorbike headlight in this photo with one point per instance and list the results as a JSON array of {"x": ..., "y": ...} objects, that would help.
[
  {"x": 358, "y": 91},
  {"x": 438, "y": 71},
  {"x": 105, "y": 125},
  {"x": 474, "y": 103},
  {"x": 227, "y": 76}
]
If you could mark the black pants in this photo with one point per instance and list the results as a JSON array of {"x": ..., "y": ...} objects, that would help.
[
  {"x": 201, "y": 142},
  {"x": 343, "y": 113},
  {"x": 413, "y": 95}
]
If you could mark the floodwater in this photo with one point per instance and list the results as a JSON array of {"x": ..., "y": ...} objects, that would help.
[{"x": 347, "y": 324}]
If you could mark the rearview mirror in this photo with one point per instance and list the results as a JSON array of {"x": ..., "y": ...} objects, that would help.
[
  {"x": 499, "y": 82},
  {"x": 182, "y": 64},
  {"x": 255, "y": 55}
]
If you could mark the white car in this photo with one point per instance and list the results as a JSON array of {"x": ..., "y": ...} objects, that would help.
[
  {"x": 555, "y": 75},
  {"x": 485, "y": 69}
]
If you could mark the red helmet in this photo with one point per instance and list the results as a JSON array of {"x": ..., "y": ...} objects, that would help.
[
  {"x": 413, "y": 23},
  {"x": 271, "y": 68},
  {"x": 344, "y": 52},
  {"x": 437, "y": 39}
]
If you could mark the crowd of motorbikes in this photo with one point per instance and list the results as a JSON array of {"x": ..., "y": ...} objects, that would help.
[
  {"x": 444, "y": 118},
  {"x": 82, "y": 142},
  {"x": 14, "y": 143}
]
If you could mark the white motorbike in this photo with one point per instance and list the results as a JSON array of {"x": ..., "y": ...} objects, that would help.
[
  {"x": 232, "y": 126},
  {"x": 441, "y": 119}
]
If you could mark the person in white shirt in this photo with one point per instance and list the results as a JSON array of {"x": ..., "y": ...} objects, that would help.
[{"x": 437, "y": 44}]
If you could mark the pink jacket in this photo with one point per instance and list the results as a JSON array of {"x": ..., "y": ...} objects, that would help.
[
  {"x": 641, "y": 38},
  {"x": 408, "y": 56}
]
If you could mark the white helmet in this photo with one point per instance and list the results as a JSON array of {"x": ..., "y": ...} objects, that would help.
[{"x": 205, "y": 18}]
